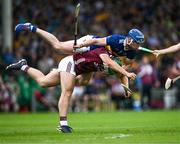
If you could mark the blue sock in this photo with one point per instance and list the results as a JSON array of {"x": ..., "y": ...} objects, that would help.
[{"x": 33, "y": 28}]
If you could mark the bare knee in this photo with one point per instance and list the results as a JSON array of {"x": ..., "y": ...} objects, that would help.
[
  {"x": 66, "y": 93},
  {"x": 57, "y": 45}
]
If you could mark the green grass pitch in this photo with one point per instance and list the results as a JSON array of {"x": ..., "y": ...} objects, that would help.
[{"x": 92, "y": 128}]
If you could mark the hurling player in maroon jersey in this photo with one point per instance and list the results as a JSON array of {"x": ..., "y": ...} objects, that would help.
[{"x": 73, "y": 69}]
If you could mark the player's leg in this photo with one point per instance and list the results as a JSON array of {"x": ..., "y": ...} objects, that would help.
[
  {"x": 66, "y": 68},
  {"x": 64, "y": 47},
  {"x": 67, "y": 86},
  {"x": 83, "y": 79},
  {"x": 51, "y": 79}
]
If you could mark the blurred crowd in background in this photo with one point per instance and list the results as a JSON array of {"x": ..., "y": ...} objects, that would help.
[{"x": 159, "y": 21}]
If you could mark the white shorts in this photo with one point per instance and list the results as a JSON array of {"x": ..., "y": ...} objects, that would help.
[
  {"x": 67, "y": 65},
  {"x": 82, "y": 40}
]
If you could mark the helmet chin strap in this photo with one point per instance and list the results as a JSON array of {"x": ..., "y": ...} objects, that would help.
[{"x": 127, "y": 43}]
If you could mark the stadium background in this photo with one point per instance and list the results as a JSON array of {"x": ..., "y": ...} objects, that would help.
[{"x": 159, "y": 20}]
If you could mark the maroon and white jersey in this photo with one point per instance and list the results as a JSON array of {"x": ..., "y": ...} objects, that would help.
[{"x": 89, "y": 61}]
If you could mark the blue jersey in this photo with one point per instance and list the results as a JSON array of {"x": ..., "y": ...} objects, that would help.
[
  {"x": 92, "y": 47},
  {"x": 116, "y": 43}
]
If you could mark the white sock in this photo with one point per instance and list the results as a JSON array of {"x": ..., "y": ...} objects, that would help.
[
  {"x": 24, "y": 67},
  {"x": 64, "y": 123}
]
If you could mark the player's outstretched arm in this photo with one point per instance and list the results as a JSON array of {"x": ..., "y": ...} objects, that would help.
[
  {"x": 94, "y": 41},
  {"x": 110, "y": 63},
  {"x": 170, "y": 49}
]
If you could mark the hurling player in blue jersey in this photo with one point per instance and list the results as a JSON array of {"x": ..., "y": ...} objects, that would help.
[{"x": 120, "y": 45}]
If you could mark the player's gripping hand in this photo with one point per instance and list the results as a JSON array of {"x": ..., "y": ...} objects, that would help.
[
  {"x": 156, "y": 53},
  {"x": 128, "y": 95},
  {"x": 132, "y": 76},
  {"x": 78, "y": 46}
]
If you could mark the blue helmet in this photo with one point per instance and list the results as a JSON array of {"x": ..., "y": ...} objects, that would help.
[{"x": 136, "y": 35}]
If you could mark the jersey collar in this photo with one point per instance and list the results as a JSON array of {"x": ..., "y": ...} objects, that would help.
[{"x": 125, "y": 44}]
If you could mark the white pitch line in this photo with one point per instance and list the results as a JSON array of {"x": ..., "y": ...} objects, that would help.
[{"x": 118, "y": 136}]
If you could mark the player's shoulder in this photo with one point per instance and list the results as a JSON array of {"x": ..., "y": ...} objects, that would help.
[{"x": 117, "y": 36}]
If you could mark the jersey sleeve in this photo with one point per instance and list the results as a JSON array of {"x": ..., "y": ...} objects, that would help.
[{"x": 110, "y": 40}]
